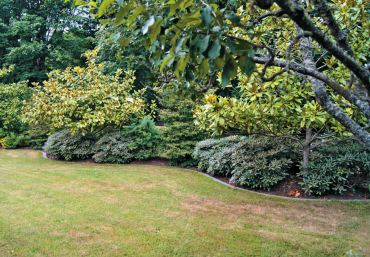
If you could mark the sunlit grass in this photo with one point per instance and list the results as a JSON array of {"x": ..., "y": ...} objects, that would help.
[{"x": 53, "y": 208}]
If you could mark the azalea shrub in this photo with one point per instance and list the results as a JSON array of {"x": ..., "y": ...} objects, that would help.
[{"x": 85, "y": 99}]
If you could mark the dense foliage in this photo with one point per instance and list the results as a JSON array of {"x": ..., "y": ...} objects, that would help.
[
  {"x": 200, "y": 38},
  {"x": 337, "y": 167},
  {"x": 38, "y": 36},
  {"x": 64, "y": 145},
  {"x": 85, "y": 99},
  {"x": 253, "y": 162},
  {"x": 113, "y": 147},
  {"x": 144, "y": 139},
  {"x": 180, "y": 134}
]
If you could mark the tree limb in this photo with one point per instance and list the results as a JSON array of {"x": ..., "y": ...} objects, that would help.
[{"x": 297, "y": 13}]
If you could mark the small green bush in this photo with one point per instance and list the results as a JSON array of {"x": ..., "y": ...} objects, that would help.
[
  {"x": 12, "y": 141},
  {"x": 253, "y": 162},
  {"x": 65, "y": 146},
  {"x": 180, "y": 135},
  {"x": 113, "y": 147},
  {"x": 144, "y": 139},
  {"x": 337, "y": 167}
]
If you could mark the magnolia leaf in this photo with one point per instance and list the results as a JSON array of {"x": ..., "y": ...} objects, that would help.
[
  {"x": 206, "y": 15},
  {"x": 229, "y": 72},
  {"x": 167, "y": 61},
  {"x": 181, "y": 65},
  {"x": 204, "y": 67},
  {"x": 201, "y": 43},
  {"x": 246, "y": 64},
  {"x": 214, "y": 52}
]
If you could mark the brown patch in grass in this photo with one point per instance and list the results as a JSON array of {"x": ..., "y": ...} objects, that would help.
[{"x": 309, "y": 217}]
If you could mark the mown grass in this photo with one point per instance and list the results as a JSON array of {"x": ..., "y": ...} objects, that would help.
[{"x": 52, "y": 208}]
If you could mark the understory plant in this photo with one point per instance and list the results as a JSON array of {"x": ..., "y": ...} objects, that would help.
[
  {"x": 254, "y": 162},
  {"x": 64, "y": 145},
  {"x": 340, "y": 166}
]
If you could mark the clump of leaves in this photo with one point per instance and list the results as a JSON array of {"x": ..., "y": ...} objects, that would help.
[{"x": 85, "y": 99}]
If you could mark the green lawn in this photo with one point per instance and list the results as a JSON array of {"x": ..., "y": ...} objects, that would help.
[{"x": 53, "y": 208}]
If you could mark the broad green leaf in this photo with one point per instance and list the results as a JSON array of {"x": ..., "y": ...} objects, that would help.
[
  {"x": 214, "y": 52},
  {"x": 206, "y": 15},
  {"x": 167, "y": 61},
  {"x": 229, "y": 71},
  {"x": 235, "y": 19},
  {"x": 154, "y": 30},
  {"x": 201, "y": 43},
  {"x": 137, "y": 11},
  {"x": 246, "y": 64},
  {"x": 181, "y": 65},
  {"x": 204, "y": 67}
]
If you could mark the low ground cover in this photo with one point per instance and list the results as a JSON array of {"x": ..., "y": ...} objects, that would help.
[{"x": 54, "y": 208}]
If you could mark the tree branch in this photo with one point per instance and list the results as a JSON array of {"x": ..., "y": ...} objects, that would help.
[
  {"x": 361, "y": 104},
  {"x": 297, "y": 13}
]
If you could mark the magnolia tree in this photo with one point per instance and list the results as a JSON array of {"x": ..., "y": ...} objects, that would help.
[
  {"x": 85, "y": 99},
  {"x": 301, "y": 38},
  {"x": 283, "y": 107}
]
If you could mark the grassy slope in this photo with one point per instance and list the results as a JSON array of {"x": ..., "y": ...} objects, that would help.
[{"x": 51, "y": 208}]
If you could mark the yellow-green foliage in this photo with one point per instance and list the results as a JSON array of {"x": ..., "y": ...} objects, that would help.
[
  {"x": 5, "y": 71},
  {"x": 283, "y": 106},
  {"x": 84, "y": 99}
]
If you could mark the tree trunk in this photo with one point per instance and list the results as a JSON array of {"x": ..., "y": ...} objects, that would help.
[
  {"x": 307, "y": 147},
  {"x": 323, "y": 98}
]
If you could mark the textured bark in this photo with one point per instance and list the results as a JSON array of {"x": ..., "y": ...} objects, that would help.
[
  {"x": 307, "y": 147},
  {"x": 324, "y": 100}
]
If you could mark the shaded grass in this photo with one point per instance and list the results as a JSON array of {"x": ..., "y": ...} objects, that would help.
[{"x": 52, "y": 208}]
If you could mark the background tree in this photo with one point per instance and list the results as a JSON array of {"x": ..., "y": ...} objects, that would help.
[{"x": 38, "y": 36}]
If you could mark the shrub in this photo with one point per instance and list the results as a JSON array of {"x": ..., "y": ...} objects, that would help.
[
  {"x": 85, "y": 99},
  {"x": 214, "y": 155},
  {"x": 12, "y": 141},
  {"x": 144, "y": 139},
  {"x": 261, "y": 162},
  {"x": 254, "y": 162},
  {"x": 337, "y": 167},
  {"x": 113, "y": 147},
  {"x": 12, "y": 97},
  {"x": 66, "y": 146},
  {"x": 180, "y": 134}
]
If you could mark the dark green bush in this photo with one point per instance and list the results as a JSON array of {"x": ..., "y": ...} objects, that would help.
[
  {"x": 261, "y": 162},
  {"x": 12, "y": 141},
  {"x": 65, "y": 146},
  {"x": 253, "y": 162},
  {"x": 144, "y": 139},
  {"x": 337, "y": 167},
  {"x": 113, "y": 147}
]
